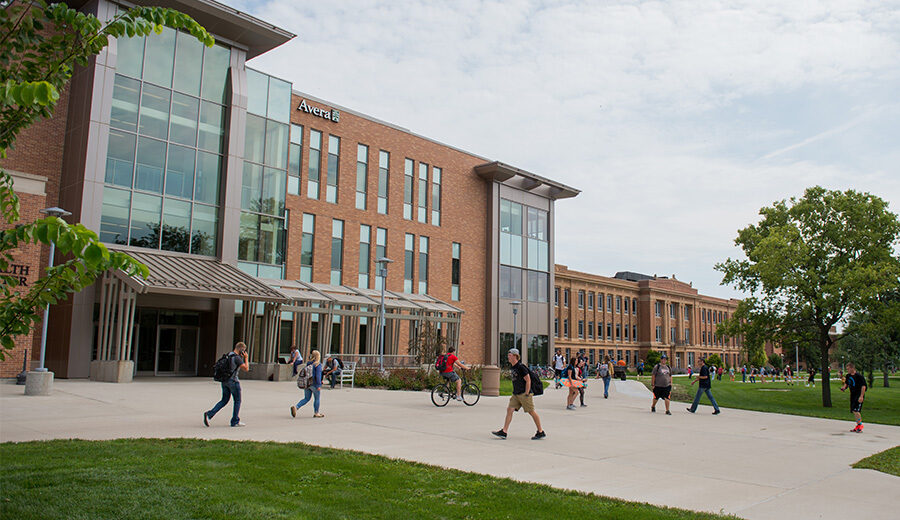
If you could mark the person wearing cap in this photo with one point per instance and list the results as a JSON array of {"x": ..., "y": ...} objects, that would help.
[
  {"x": 661, "y": 381},
  {"x": 521, "y": 396}
]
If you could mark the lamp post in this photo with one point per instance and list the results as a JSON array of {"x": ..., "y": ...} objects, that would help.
[
  {"x": 50, "y": 212},
  {"x": 515, "y": 308},
  {"x": 382, "y": 272}
]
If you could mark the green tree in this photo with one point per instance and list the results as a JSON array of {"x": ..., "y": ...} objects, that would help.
[
  {"x": 40, "y": 45},
  {"x": 775, "y": 361},
  {"x": 653, "y": 358},
  {"x": 714, "y": 360},
  {"x": 427, "y": 344},
  {"x": 872, "y": 339},
  {"x": 810, "y": 262}
]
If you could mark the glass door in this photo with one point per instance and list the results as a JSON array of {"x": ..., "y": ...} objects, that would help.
[{"x": 176, "y": 350}]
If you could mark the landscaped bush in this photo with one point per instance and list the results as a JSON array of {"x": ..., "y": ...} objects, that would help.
[{"x": 407, "y": 378}]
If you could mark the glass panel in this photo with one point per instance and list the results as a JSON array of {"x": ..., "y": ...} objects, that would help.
[
  {"x": 154, "y": 119},
  {"x": 251, "y": 190},
  {"x": 183, "y": 129},
  {"x": 257, "y": 92},
  {"x": 212, "y": 126},
  {"x": 120, "y": 158},
  {"x": 126, "y": 96},
  {"x": 297, "y": 134},
  {"x": 248, "y": 240},
  {"x": 160, "y": 58},
  {"x": 515, "y": 218},
  {"x": 276, "y": 144},
  {"x": 271, "y": 239},
  {"x": 273, "y": 192},
  {"x": 295, "y": 154},
  {"x": 176, "y": 225},
  {"x": 114, "y": 218},
  {"x": 293, "y": 185},
  {"x": 188, "y": 56},
  {"x": 215, "y": 73},
  {"x": 209, "y": 169},
  {"x": 180, "y": 172},
  {"x": 145, "y": 213},
  {"x": 151, "y": 157},
  {"x": 254, "y": 143},
  {"x": 204, "y": 224},
  {"x": 279, "y": 107},
  {"x": 130, "y": 56}
]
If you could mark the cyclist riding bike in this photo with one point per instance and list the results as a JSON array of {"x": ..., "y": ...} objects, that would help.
[{"x": 451, "y": 363}]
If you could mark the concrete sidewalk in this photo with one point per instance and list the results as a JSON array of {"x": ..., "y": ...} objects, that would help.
[{"x": 752, "y": 464}]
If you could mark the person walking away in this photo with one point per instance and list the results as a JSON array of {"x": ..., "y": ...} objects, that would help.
[
  {"x": 661, "y": 381},
  {"x": 788, "y": 376},
  {"x": 705, "y": 387},
  {"x": 314, "y": 390},
  {"x": 559, "y": 363},
  {"x": 762, "y": 374},
  {"x": 604, "y": 371},
  {"x": 857, "y": 385},
  {"x": 572, "y": 381},
  {"x": 690, "y": 371},
  {"x": 521, "y": 397},
  {"x": 296, "y": 359},
  {"x": 231, "y": 387},
  {"x": 640, "y": 368},
  {"x": 744, "y": 374},
  {"x": 582, "y": 374},
  {"x": 752, "y": 374},
  {"x": 449, "y": 375},
  {"x": 812, "y": 377},
  {"x": 719, "y": 372},
  {"x": 731, "y": 373}
]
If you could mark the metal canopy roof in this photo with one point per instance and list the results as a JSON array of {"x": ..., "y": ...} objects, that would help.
[
  {"x": 298, "y": 291},
  {"x": 188, "y": 275}
]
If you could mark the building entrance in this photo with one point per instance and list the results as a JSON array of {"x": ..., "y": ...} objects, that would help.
[{"x": 176, "y": 350}]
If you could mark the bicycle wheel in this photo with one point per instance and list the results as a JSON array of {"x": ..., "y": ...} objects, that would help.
[
  {"x": 471, "y": 394},
  {"x": 440, "y": 395}
]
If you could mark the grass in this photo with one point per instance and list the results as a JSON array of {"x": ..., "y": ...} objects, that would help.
[
  {"x": 228, "y": 480},
  {"x": 887, "y": 461},
  {"x": 882, "y": 405},
  {"x": 506, "y": 386}
]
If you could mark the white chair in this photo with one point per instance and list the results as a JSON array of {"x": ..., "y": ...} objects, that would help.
[{"x": 348, "y": 374}]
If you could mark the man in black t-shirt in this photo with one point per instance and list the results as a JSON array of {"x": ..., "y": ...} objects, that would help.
[
  {"x": 857, "y": 385},
  {"x": 522, "y": 396},
  {"x": 705, "y": 387},
  {"x": 231, "y": 387}
]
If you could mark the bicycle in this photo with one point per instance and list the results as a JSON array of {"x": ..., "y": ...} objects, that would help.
[{"x": 443, "y": 392}]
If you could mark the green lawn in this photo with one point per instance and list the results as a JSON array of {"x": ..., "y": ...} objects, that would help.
[
  {"x": 506, "y": 386},
  {"x": 882, "y": 405},
  {"x": 888, "y": 461},
  {"x": 189, "y": 478}
]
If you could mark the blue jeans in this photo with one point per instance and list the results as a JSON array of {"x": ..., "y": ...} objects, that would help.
[
  {"x": 606, "y": 386},
  {"x": 229, "y": 389},
  {"x": 309, "y": 393},
  {"x": 708, "y": 392}
]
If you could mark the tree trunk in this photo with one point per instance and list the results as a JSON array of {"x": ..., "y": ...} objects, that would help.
[
  {"x": 871, "y": 378},
  {"x": 887, "y": 380},
  {"x": 826, "y": 383}
]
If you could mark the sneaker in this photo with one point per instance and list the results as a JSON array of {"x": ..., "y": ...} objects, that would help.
[
  {"x": 238, "y": 425},
  {"x": 570, "y": 407},
  {"x": 583, "y": 405},
  {"x": 205, "y": 420},
  {"x": 668, "y": 412},
  {"x": 459, "y": 398},
  {"x": 690, "y": 410},
  {"x": 717, "y": 412},
  {"x": 653, "y": 409},
  {"x": 318, "y": 415},
  {"x": 500, "y": 433},
  {"x": 293, "y": 410},
  {"x": 539, "y": 435}
]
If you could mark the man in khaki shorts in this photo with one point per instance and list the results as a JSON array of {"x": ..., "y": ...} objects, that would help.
[{"x": 521, "y": 396}]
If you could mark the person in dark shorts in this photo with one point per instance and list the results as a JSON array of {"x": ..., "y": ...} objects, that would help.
[
  {"x": 451, "y": 376},
  {"x": 857, "y": 385},
  {"x": 661, "y": 381},
  {"x": 521, "y": 396}
]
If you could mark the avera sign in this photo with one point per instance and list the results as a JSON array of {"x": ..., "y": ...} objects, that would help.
[{"x": 331, "y": 115}]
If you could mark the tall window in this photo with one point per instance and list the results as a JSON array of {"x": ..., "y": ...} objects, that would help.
[
  {"x": 658, "y": 334},
  {"x": 618, "y": 331},
  {"x": 618, "y": 304},
  {"x": 454, "y": 272},
  {"x": 599, "y": 301},
  {"x": 295, "y": 158},
  {"x": 634, "y": 333},
  {"x": 634, "y": 306},
  {"x": 384, "y": 166},
  {"x": 365, "y": 246},
  {"x": 566, "y": 328},
  {"x": 626, "y": 305},
  {"x": 409, "y": 261},
  {"x": 580, "y": 299},
  {"x": 581, "y": 329},
  {"x": 166, "y": 143},
  {"x": 334, "y": 153},
  {"x": 609, "y": 304},
  {"x": 590, "y": 330},
  {"x": 407, "y": 189},
  {"x": 423, "y": 265},
  {"x": 556, "y": 296},
  {"x": 362, "y": 175},
  {"x": 687, "y": 336},
  {"x": 422, "y": 214},
  {"x": 565, "y": 297},
  {"x": 337, "y": 251},
  {"x": 673, "y": 310},
  {"x": 436, "y": 196},
  {"x": 306, "y": 247},
  {"x": 657, "y": 307},
  {"x": 380, "y": 251},
  {"x": 673, "y": 336},
  {"x": 590, "y": 300},
  {"x": 315, "y": 162},
  {"x": 609, "y": 330}
]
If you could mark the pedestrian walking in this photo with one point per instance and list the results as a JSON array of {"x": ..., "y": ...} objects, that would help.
[
  {"x": 640, "y": 367},
  {"x": 235, "y": 360},
  {"x": 812, "y": 377},
  {"x": 559, "y": 363},
  {"x": 661, "y": 381},
  {"x": 752, "y": 374},
  {"x": 314, "y": 389},
  {"x": 582, "y": 374},
  {"x": 705, "y": 387},
  {"x": 521, "y": 396},
  {"x": 719, "y": 372},
  {"x": 604, "y": 371},
  {"x": 744, "y": 374},
  {"x": 788, "y": 375},
  {"x": 857, "y": 385},
  {"x": 731, "y": 373},
  {"x": 572, "y": 381}
]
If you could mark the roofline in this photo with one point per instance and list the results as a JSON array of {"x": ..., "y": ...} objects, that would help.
[{"x": 498, "y": 171}]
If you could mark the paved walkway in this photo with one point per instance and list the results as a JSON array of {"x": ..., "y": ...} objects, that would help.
[{"x": 751, "y": 464}]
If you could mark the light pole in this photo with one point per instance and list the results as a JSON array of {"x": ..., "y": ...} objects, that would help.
[
  {"x": 515, "y": 308},
  {"x": 382, "y": 272},
  {"x": 50, "y": 212}
]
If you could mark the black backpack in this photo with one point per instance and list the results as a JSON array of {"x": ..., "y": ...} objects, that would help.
[
  {"x": 222, "y": 369},
  {"x": 537, "y": 386}
]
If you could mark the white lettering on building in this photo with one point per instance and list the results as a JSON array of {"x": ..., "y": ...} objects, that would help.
[{"x": 331, "y": 115}]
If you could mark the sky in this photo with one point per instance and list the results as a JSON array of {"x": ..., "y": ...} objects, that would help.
[{"x": 677, "y": 120}]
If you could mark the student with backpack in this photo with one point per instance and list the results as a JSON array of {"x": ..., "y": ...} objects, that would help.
[
  {"x": 310, "y": 380},
  {"x": 605, "y": 372},
  {"x": 445, "y": 364},
  {"x": 525, "y": 386},
  {"x": 225, "y": 371}
]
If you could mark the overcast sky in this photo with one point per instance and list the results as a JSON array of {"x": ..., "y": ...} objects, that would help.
[{"x": 676, "y": 120}]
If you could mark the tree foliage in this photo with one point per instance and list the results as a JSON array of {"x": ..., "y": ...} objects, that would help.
[
  {"x": 872, "y": 340},
  {"x": 427, "y": 344},
  {"x": 714, "y": 360},
  {"x": 811, "y": 261},
  {"x": 40, "y": 46},
  {"x": 653, "y": 357}
]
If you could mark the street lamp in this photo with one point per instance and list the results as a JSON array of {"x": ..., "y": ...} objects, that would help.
[
  {"x": 50, "y": 212},
  {"x": 515, "y": 308},
  {"x": 382, "y": 272}
]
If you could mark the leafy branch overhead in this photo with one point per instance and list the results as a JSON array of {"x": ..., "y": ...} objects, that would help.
[{"x": 40, "y": 46}]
